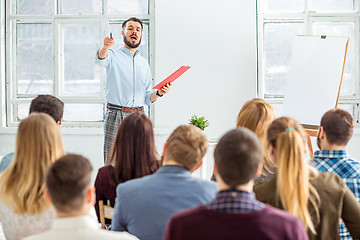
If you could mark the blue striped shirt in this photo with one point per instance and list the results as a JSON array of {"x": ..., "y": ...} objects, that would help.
[
  {"x": 339, "y": 162},
  {"x": 128, "y": 78}
]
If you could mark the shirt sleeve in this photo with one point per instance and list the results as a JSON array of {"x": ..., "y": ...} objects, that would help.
[
  {"x": 117, "y": 222},
  {"x": 98, "y": 193},
  {"x": 351, "y": 213},
  {"x": 148, "y": 87},
  {"x": 106, "y": 62}
]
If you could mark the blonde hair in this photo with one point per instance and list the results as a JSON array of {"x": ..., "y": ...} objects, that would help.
[
  {"x": 187, "y": 145},
  {"x": 294, "y": 189},
  {"x": 38, "y": 145},
  {"x": 257, "y": 115}
]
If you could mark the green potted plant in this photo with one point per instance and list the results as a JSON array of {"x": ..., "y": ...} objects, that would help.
[{"x": 199, "y": 122}]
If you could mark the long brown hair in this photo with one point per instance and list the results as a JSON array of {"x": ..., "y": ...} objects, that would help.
[
  {"x": 133, "y": 153},
  {"x": 38, "y": 145},
  {"x": 257, "y": 115},
  {"x": 294, "y": 189}
]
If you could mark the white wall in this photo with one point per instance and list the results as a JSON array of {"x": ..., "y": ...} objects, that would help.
[{"x": 218, "y": 40}]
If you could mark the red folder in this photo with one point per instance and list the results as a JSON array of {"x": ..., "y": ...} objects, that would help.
[{"x": 172, "y": 77}]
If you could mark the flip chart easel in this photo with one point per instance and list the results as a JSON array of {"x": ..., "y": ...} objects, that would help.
[{"x": 315, "y": 78}]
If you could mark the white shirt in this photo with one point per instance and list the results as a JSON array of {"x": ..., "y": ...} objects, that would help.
[
  {"x": 17, "y": 226},
  {"x": 78, "y": 228}
]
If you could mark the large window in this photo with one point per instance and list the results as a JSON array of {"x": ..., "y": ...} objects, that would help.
[
  {"x": 280, "y": 21},
  {"x": 50, "y": 49}
]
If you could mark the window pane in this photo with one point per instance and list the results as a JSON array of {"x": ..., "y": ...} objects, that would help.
[
  {"x": 22, "y": 111},
  {"x": 115, "y": 28},
  {"x": 34, "y": 6},
  {"x": 83, "y": 112},
  {"x": 278, "y": 41},
  {"x": 283, "y": 5},
  {"x": 343, "y": 29},
  {"x": 332, "y": 5},
  {"x": 82, "y": 7},
  {"x": 81, "y": 74},
  {"x": 34, "y": 59},
  {"x": 129, "y": 7}
]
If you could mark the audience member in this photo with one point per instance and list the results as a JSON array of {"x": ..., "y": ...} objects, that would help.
[
  {"x": 235, "y": 213},
  {"x": 133, "y": 156},
  {"x": 318, "y": 199},
  {"x": 23, "y": 209},
  {"x": 45, "y": 104},
  {"x": 257, "y": 115},
  {"x": 336, "y": 129},
  {"x": 144, "y": 206},
  {"x": 70, "y": 191}
]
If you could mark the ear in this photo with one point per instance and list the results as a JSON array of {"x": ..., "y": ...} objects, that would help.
[
  {"x": 271, "y": 151},
  {"x": 122, "y": 33},
  {"x": 259, "y": 170},
  {"x": 198, "y": 166},
  {"x": 47, "y": 196},
  {"x": 322, "y": 133},
  {"x": 58, "y": 123},
  {"x": 164, "y": 149},
  {"x": 90, "y": 195}
]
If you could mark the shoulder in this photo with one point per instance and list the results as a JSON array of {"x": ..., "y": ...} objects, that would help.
[
  {"x": 108, "y": 169},
  {"x": 100, "y": 233},
  {"x": 134, "y": 185},
  {"x": 6, "y": 160},
  {"x": 265, "y": 191}
]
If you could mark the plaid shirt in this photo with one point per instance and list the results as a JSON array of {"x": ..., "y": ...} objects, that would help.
[
  {"x": 235, "y": 201},
  {"x": 339, "y": 162}
]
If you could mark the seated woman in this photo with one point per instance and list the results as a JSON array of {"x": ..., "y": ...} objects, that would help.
[
  {"x": 257, "y": 115},
  {"x": 133, "y": 156},
  {"x": 23, "y": 209},
  {"x": 318, "y": 199}
]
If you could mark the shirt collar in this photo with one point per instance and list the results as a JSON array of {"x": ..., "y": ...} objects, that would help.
[
  {"x": 236, "y": 194},
  {"x": 128, "y": 51},
  {"x": 173, "y": 169},
  {"x": 75, "y": 223},
  {"x": 331, "y": 154}
]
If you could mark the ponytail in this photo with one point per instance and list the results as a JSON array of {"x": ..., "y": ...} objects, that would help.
[{"x": 294, "y": 190}]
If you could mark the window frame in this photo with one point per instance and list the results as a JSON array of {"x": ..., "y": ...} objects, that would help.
[
  {"x": 308, "y": 18},
  {"x": 8, "y": 70}
]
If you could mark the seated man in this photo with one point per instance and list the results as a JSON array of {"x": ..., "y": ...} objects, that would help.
[
  {"x": 144, "y": 206},
  {"x": 336, "y": 129},
  {"x": 45, "y": 104},
  {"x": 70, "y": 190},
  {"x": 235, "y": 213}
]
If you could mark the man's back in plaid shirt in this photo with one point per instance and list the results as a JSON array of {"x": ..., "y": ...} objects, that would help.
[{"x": 336, "y": 129}]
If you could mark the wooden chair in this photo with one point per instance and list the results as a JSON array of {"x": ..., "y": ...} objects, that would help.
[{"x": 105, "y": 212}]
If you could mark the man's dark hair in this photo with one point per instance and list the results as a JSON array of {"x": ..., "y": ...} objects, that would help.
[
  {"x": 237, "y": 156},
  {"x": 48, "y": 104},
  {"x": 134, "y": 19},
  {"x": 67, "y": 181},
  {"x": 338, "y": 125}
]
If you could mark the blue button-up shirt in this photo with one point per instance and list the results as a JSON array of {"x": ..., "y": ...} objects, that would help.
[
  {"x": 128, "y": 78},
  {"x": 339, "y": 162}
]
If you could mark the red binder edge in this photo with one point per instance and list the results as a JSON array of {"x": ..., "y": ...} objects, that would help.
[{"x": 172, "y": 77}]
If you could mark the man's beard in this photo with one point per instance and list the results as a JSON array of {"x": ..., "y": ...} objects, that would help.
[{"x": 130, "y": 44}]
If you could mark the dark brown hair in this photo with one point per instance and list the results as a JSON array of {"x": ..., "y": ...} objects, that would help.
[
  {"x": 67, "y": 181},
  {"x": 187, "y": 145},
  {"x": 48, "y": 104},
  {"x": 338, "y": 125},
  {"x": 237, "y": 156},
  {"x": 134, "y": 19},
  {"x": 133, "y": 151}
]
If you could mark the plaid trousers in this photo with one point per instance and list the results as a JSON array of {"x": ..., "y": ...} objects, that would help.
[{"x": 112, "y": 120}]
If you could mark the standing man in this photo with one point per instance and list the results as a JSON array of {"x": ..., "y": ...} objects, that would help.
[{"x": 128, "y": 79}]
